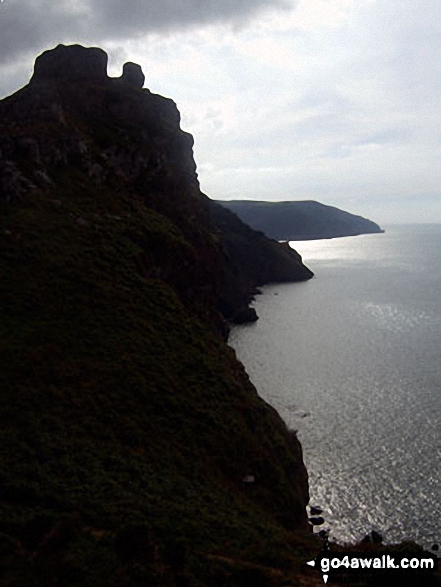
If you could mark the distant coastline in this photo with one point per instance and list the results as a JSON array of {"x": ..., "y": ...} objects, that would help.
[{"x": 300, "y": 220}]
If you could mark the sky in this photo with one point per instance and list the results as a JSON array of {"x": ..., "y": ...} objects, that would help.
[{"x": 330, "y": 100}]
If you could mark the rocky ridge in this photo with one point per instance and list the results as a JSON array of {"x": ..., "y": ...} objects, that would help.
[{"x": 72, "y": 116}]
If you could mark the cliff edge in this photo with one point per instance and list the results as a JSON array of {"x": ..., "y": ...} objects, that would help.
[{"x": 134, "y": 449}]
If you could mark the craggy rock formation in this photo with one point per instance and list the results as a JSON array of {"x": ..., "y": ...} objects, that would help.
[
  {"x": 306, "y": 220},
  {"x": 133, "y": 447},
  {"x": 73, "y": 116},
  {"x": 71, "y": 64},
  {"x": 133, "y": 75}
]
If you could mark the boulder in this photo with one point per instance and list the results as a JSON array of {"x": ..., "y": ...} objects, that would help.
[
  {"x": 373, "y": 537},
  {"x": 244, "y": 315},
  {"x": 315, "y": 510}
]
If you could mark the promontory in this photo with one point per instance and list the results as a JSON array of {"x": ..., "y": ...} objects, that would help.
[{"x": 134, "y": 449}]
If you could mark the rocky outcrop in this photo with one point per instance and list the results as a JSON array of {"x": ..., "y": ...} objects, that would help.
[
  {"x": 133, "y": 75},
  {"x": 131, "y": 140},
  {"x": 128, "y": 425},
  {"x": 72, "y": 63}
]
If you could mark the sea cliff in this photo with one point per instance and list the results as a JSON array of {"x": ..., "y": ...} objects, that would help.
[
  {"x": 300, "y": 220},
  {"x": 134, "y": 449}
]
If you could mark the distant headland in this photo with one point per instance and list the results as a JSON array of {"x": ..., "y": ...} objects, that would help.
[{"x": 300, "y": 220}]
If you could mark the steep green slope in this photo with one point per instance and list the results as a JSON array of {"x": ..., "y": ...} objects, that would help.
[
  {"x": 299, "y": 220},
  {"x": 133, "y": 448},
  {"x": 119, "y": 405}
]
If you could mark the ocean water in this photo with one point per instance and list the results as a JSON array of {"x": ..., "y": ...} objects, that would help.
[{"x": 352, "y": 360}]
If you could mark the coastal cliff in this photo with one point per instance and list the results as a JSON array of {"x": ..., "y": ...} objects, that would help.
[
  {"x": 134, "y": 449},
  {"x": 251, "y": 259},
  {"x": 300, "y": 220}
]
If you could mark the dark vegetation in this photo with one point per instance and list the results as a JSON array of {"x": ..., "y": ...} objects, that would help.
[
  {"x": 299, "y": 220},
  {"x": 127, "y": 425},
  {"x": 253, "y": 258},
  {"x": 119, "y": 407}
]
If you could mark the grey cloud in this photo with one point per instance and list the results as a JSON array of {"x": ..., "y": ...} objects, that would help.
[
  {"x": 27, "y": 26},
  {"x": 30, "y": 25},
  {"x": 384, "y": 137}
]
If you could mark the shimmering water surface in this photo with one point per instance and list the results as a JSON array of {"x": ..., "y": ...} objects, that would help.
[{"x": 352, "y": 360}]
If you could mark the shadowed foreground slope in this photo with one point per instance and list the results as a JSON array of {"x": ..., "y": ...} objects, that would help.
[
  {"x": 127, "y": 425},
  {"x": 134, "y": 451}
]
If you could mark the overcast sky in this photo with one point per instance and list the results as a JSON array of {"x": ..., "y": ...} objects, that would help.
[{"x": 333, "y": 100}]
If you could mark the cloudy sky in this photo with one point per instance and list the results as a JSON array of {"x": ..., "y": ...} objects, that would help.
[{"x": 333, "y": 100}]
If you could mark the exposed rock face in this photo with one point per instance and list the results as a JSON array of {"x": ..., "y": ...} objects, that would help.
[
  {"x": 132, "y": 141},
  {"x": 253, "y": 259},
  {"x": 125, "y": 417},
  {"x": 71, "y": 63},
  {"x": 132, "y": 75},
  {"x": 115, "y": 138}
]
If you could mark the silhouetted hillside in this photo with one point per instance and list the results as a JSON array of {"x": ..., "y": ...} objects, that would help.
[
  {"x": 299, "y": 220},
  {"x": 129, "y": 431},
  {"x": 134, "y": 450}
]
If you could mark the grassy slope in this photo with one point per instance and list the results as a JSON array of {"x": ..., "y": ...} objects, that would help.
[{"x": 119, "y": 407}]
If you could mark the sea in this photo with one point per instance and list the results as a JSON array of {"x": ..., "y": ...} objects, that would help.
[{"x": 351, "y": 360}]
